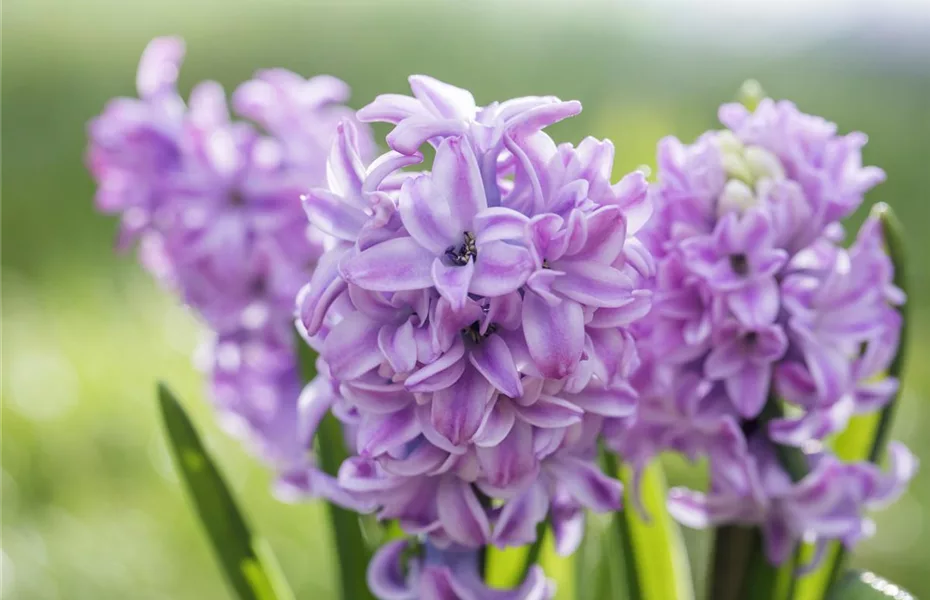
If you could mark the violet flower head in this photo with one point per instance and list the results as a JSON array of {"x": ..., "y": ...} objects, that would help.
[
  {"x": 755, "y": 302},
  {"x": 473, "y": 318},
  {"x": 214, "y": 205}
]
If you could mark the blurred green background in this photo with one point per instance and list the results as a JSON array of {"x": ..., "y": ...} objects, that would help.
[{"x": 91, "y": 507}]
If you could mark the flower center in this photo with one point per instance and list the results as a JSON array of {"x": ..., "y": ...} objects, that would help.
[
  {"x": 739, "y": 263},
  {"x": 464, "y": 253},
  {"x": 236, "y": 199},
  {"x": 473, "y": 332},
  {"x": 750, "y": 339}
]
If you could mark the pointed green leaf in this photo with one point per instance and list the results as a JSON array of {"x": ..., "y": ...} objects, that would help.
[
  {"x": 248, "y": 564},
  {"x": 651, "y": 549},
  {"x": 862, "y": 585},
  {"x": 661, "y": 559},
  {"x": 348, "y": 537}
]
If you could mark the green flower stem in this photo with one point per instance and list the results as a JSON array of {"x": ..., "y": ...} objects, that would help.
[{"x": 624, "y": 537}]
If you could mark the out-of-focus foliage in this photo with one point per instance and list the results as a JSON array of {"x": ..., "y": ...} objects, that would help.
[{"x": 91, "y": 506}]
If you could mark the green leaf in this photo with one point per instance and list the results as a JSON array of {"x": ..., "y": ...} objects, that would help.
[
  {"x": 866, "y": 436},
  {"x": 649, "y": 550},
  {"x": 348, "y": 537},
  {"x": 862, "y": 585},
  {"x": 246, "y": 561}
]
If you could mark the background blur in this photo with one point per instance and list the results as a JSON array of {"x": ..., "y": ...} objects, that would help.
[{"x": 91, "y": 507}]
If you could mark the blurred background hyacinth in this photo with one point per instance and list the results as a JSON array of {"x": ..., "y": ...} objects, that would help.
[{"x": 450, "y": 336}]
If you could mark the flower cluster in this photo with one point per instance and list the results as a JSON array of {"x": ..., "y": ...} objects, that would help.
[
  {"x": 214, "y": 205},
  {"x": 757, "y": 305},
  {"x": 472, "y": 320}
]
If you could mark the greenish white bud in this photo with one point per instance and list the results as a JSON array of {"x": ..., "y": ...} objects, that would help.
[
  {"x": 763, "y": 164},
  {"x": 736, "y": 197}
]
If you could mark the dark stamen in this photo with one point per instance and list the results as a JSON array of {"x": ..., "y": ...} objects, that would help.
[
  {"x": 473, "y": 332},
  {"x": 464, "y": 253},
  {"x": 739, "y": 263},
  {"x": 546, "y": 264}
]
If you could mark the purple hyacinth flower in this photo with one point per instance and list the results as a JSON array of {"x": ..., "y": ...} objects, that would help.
[
  {"x": 756, "y": 301},
  {"x": 215, "y": 207}
]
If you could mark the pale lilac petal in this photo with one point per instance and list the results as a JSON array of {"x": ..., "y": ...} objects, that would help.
[
  {"x": 351, "y": 348},
  {"x": 159, "y": 66},
  {"x": 425, "y": 458},
  {"x": 606, "y": 236},
  {"x": 394, "y": 265},
  {"x": 500, "y": 268},
  {"x": 497, "y": 423},
  {"x": 617, "y": 401},
  {"x": 385, "y": 575},
  {"x": 461, "y": 514},
  {"x": 499, "y": 223},
  {"x": 637, "y": 307},
  {"x": 428, "y": 219},
  {"x": 424, "y": 416},
  {"x": 516, "y": 524},
  {"x": 438, "y": 583},
  {"x": 378, "y": 434},
  {"x": 755, "y": 304},
  {"x": 779, "y": 540},
  {"x": 390, "y": 108},
  {"x": 441, "y": 373},
  {"x": 453, "y": 281},
  {"x": 587, "y": 484},
  {"x": 554, "y": 335},
  {"x": 829, "y": 369},
  {"x": 330, "y": 214},
  {"x": 399, "y": 346},
  {"x": 512, "y": 462},
  {"x": 359, "y": 474},
  {"x": 725, "y": 360},
  {"x": 749, "y": 389},
  {"x": 549, "y": 411},
  {"x": 413, "y": 132},
  {"x": 445, "y": 100},
  {"x": 568, "y": 526},
  {"x": 457, "y": 178},
  {"x": 540, "y": 117},
  {"x": 344, "y": 168},
  {"x": 593, "y": 284},
  {"x": 689, "y": 508},
  {"x": 458, "y": 411},
  {"x": 492, "y": 358},
  {"x": 325, "y": 286},
  {"x": 385, "y": 166},
  {"x": 376, "y": 399}
]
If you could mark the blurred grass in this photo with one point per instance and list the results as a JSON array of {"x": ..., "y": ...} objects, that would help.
[{"x": 91, "y": 507}]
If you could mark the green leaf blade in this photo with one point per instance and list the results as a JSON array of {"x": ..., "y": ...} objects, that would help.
[
  {"x": 248, "y": 565},
  {"x": 649, "y": 550},
  {"x": 662, "y": 565}
]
